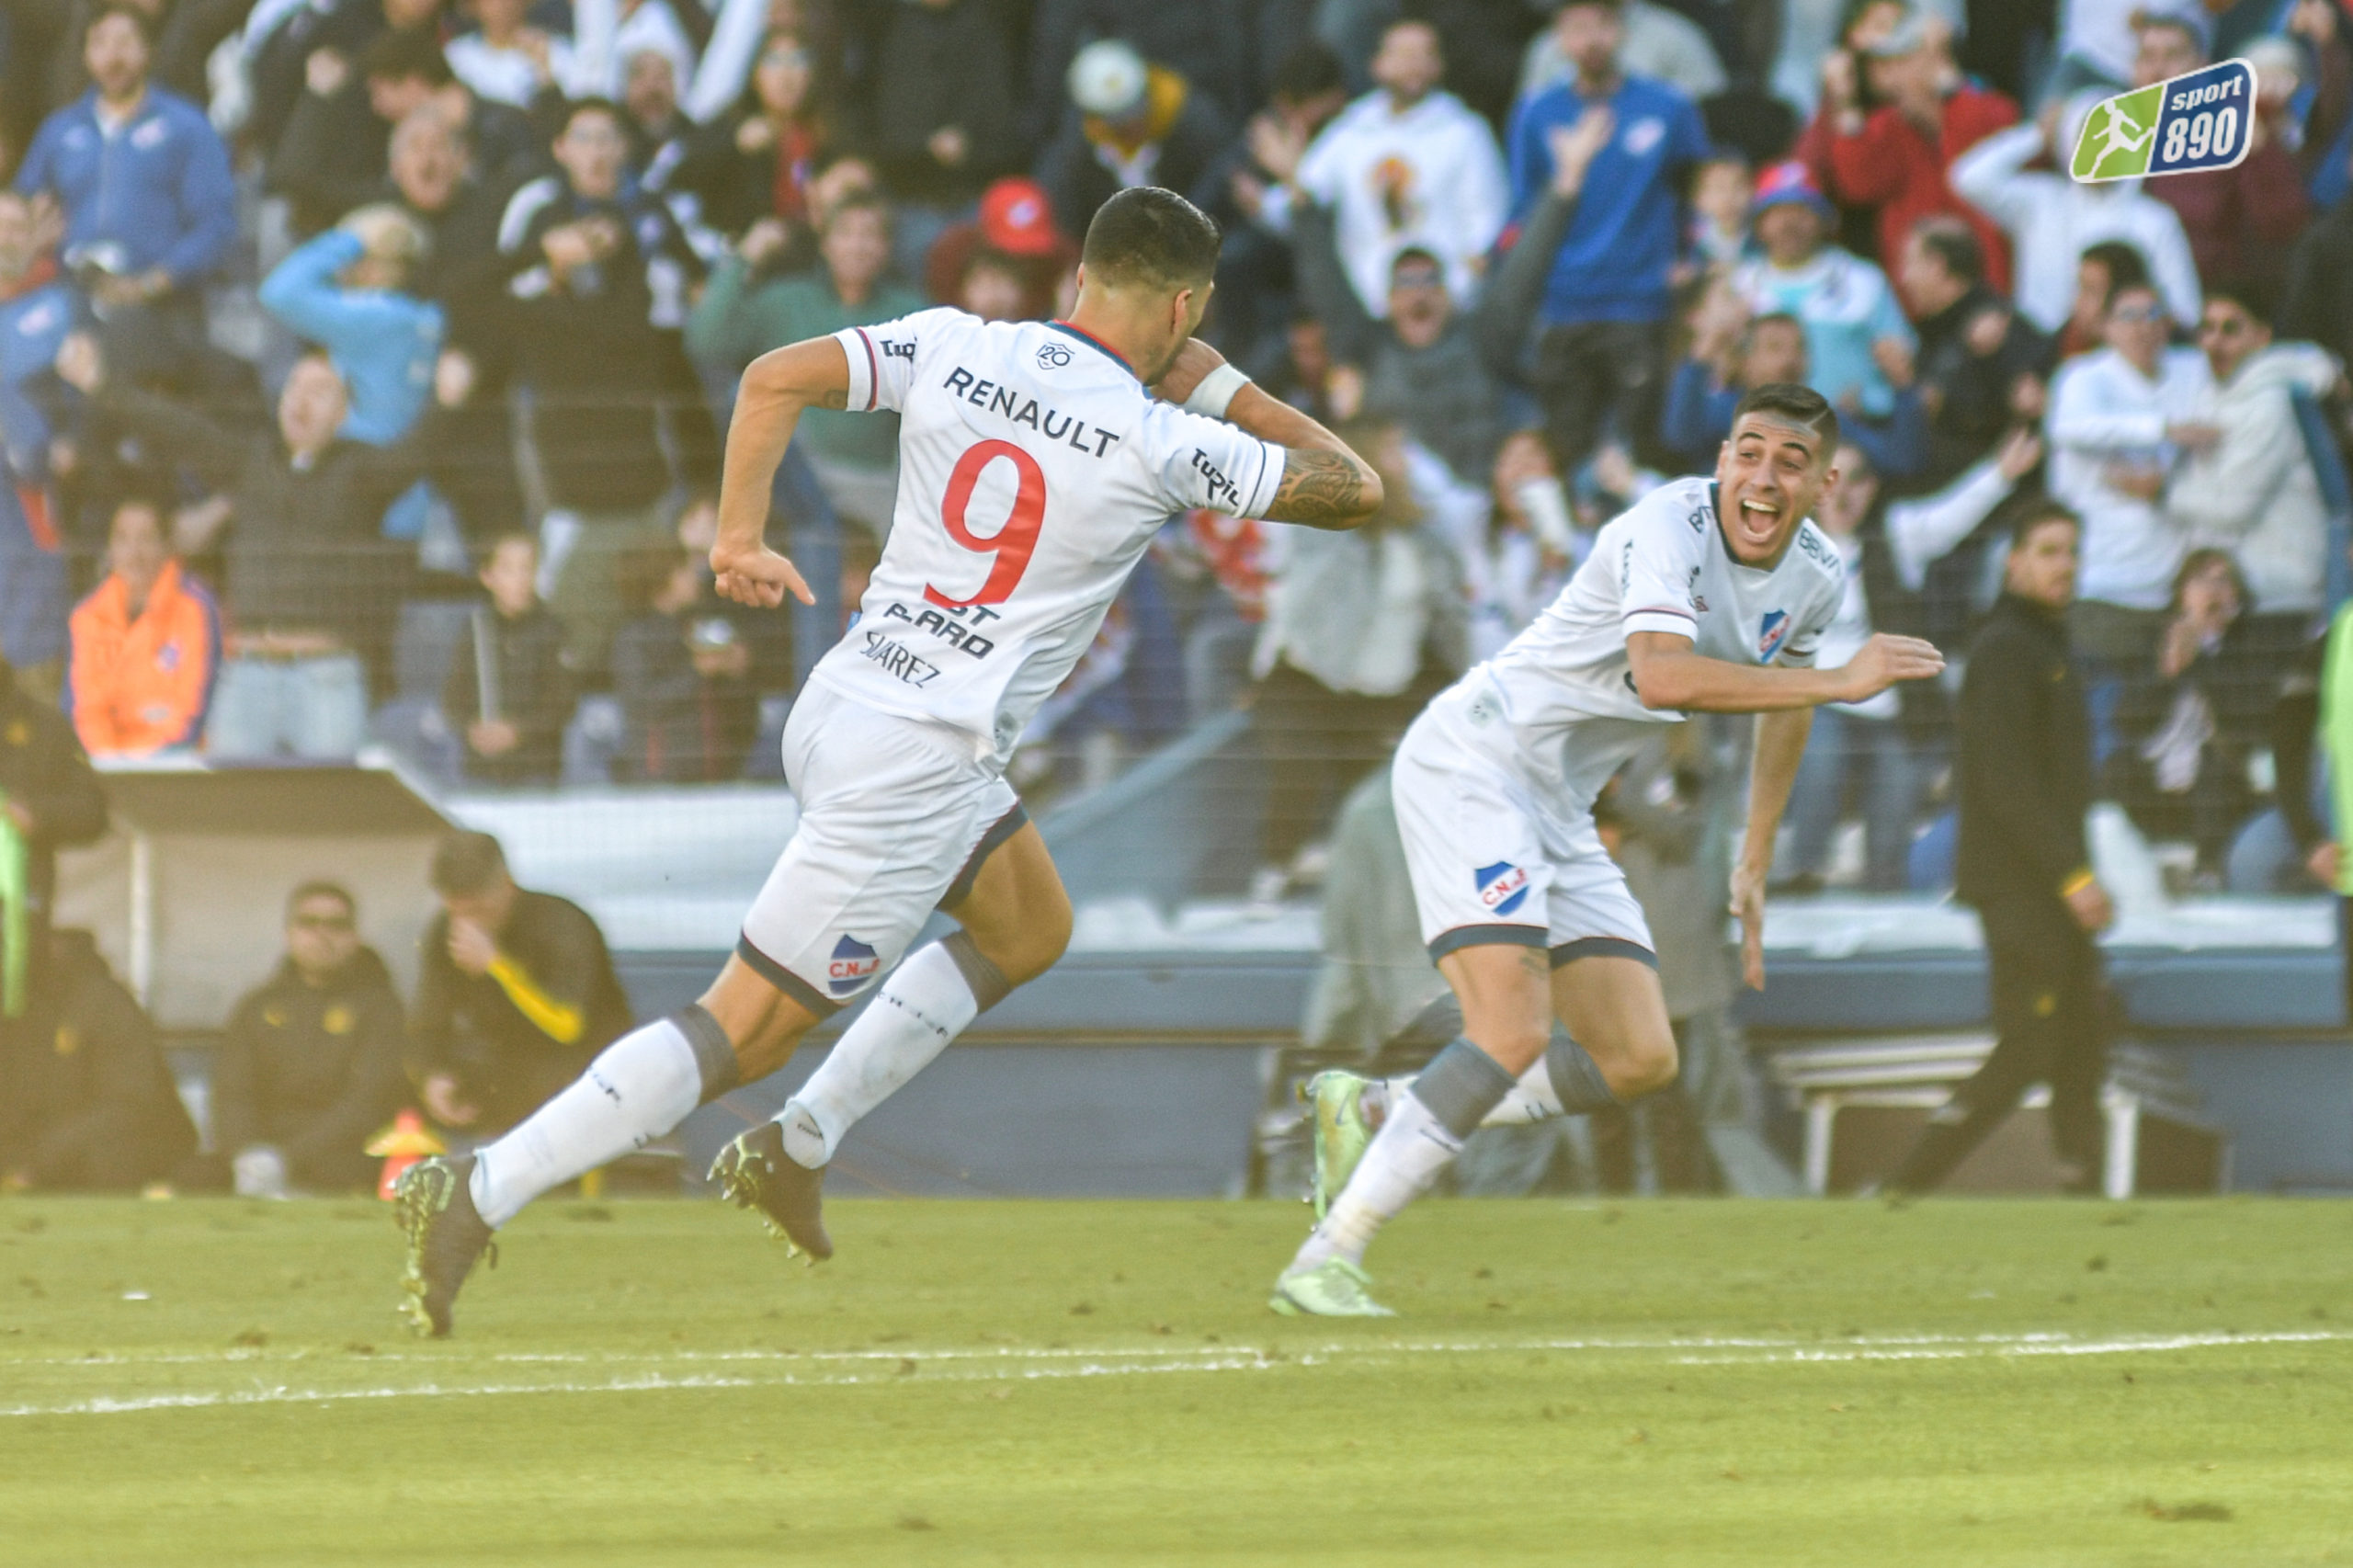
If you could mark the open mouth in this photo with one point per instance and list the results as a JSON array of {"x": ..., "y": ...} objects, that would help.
[{"x": 1756, "y": 520}]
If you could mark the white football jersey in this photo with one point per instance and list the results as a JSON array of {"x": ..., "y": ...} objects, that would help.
[
  {"x": 1563, "y": 687},
  {"x": 1034, "y": 469}
]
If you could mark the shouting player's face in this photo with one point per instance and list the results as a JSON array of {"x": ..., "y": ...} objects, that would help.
[{"x": 1769, "y": 476}]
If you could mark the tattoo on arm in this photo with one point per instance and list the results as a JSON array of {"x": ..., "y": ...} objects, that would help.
[{"x": 1319, "y": 488}]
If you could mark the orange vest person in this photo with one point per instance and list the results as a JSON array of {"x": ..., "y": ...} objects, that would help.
[{"x": 146, "y": 644}]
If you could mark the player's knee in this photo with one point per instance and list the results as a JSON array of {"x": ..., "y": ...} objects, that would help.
[
  {"x": 1040, "y": 939},
  {"x": 1646, "y": 1067}
]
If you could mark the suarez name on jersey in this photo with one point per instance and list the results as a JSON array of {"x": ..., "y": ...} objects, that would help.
[{"x": 1034, "y": 469}]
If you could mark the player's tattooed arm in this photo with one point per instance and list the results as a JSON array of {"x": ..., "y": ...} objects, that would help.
[{"x": 1326, "y": 490}]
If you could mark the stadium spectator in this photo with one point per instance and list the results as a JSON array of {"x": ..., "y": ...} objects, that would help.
[
  {"x": 308, "y": 1066},
  {"x": 1422, "y": 370},
  {"x": 1894, "y": 158},
  {"x": 2100, "y": 271},
  {"x": 689, "y": 707},
  {"x": 1663, "y": 43},
  {"x": 2187, "y": 719},
  {"x": 346, "y": 291},
  {"x": 2241, "y": 222},
  {"x": 2023, "y": 774},
  {"x": 1732, "y": 352},
  {"x": 1859, "y": 346},
  {"x": 308, "y": 568},
  {"x": 516, "y": 993},
  {"x": 508, "y": 60},
  {"x": 1529, "y": 548},
  {"x": 1130, "y": 123},
  {"x": 2254, "y": 492},
  {"x": 2099, "y": 43},
  {"x": 305, "y": 41},
  {"x": 143, "y": 182},
  {"x": 333, "y": 152},
  {"x": 855, "y": 456},
  {"x": 1251, "y": 191},
  {"x": 1016, "y": 231},
  {"x": 596, "y": 290},
  {"x": 1622, "y": 145},
  {"x": 1719, "y": 237},
  {"x": 2051, "y": 219},
  {"x": 1338, "y": 679},
  {"x": 2121, "y": 419},
  {"x": 434, "y": 178},
  {"x": 1407, "y": 164},
  {"x": 1982, "y": 364},
  {"x": 756, "y": 161},
  {"x": 91, "y": 1105},
  {"x": 1206, "y": 44},
  {"x": 146, "y": 643},
  {"x": 943, "y": 112},
  {"x": 509, "y": 696}
]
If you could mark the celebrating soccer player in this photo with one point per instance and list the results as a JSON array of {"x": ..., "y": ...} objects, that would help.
[
  {"x": 1703, "y": 596},
  {"x": 1035, "y": 466}
]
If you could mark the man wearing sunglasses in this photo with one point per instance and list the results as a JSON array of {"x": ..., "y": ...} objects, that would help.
[
  {"x": 2121, "y": 422},
  {"x": 310, "y": 1065}
]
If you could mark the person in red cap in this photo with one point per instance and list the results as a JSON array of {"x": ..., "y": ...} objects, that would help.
[{"x": 1016, "y": 226}]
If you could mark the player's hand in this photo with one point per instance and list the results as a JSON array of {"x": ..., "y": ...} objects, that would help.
[
  {"x": 1748, "y": 908},
  {"x": 1885, "y": 660},
  {"x": 759, "y": 577},
  {"x": 1193, "y": 364},
  {"x": 471, "y": 949},
  {"x": 2091, "y": 906}
]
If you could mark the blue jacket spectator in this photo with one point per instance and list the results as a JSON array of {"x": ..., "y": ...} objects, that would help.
[
  {"x": 1618, "y": 145},
  {"x": 142, "y": 175},
  {"x": 342, "y": 291}
]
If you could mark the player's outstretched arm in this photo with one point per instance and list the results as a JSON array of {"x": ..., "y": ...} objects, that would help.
[
  {"x": 1780, "y": 746},
  {"x": 775, "y": 389},
  {"x": 1669, "y": 673},
  {"x": 1325, "y": 484}
]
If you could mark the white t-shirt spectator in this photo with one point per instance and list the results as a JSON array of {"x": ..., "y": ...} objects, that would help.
[
  {"x": 2254, "y": 494},
  {"x": 2105, "y": 412},
  {"x": 1430, "y": 175},
  {"x": 2052, "y": 220}
]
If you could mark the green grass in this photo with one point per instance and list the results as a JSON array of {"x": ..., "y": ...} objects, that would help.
[{"x": 1646, "y": 1383}]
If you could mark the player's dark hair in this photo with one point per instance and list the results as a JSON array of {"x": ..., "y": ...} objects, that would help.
[
  {"x": 412, "y": 52},
  {"x": 2255, "y": 298},
  {"x": 1954, "y": 245},
  {"x": 131, "y": 14},
  {"x": 1792, "y": 405},
  {"x": 319, "y": 887},
  {"x": 1150, "y": 237},
  {"x": 465, "y": 864},
  {"x": 2040, "y": 512}
]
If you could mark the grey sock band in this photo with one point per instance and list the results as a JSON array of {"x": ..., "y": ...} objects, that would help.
[
  {"x": 988, "y": 982},
  {"x": 1461, "y": 1085},
  {"x": 714, "y": 1052},
  {"x": 1576, "y": 1078}
]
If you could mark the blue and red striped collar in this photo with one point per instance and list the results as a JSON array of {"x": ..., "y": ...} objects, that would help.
[{"x": 1093, "y": 342}]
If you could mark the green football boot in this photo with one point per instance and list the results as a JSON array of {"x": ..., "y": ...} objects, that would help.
[
  {"x": 433, "y": 1203},
  {"x": 1333, "y": 1289},
  {"x": 1342, "y": 1132},
  {"x": 754, "y": 1171}
]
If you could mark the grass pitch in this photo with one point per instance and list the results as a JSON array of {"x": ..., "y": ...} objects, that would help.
[{"x": 1654, "y": 1383}]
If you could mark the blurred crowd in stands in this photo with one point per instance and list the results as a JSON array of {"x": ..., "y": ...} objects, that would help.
[{"x": 363, "y": 362}]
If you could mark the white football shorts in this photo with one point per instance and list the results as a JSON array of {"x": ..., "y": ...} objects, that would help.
[
  {"x": 1493, "y": 862},
  {"x": 897, "y": 817}
]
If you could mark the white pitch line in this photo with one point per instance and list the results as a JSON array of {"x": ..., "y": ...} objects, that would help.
[{"x": 1149, "y": 1361}]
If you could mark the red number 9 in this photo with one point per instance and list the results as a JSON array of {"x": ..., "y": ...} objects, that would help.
[{"x": 1012, "y": 543}]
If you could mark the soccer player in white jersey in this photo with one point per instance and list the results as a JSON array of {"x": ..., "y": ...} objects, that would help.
[
  {"x": 1703, "y": 596},
  {"x": 1035, "y": 466}
]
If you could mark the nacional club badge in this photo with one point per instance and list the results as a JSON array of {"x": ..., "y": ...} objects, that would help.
[{"x": 2203, "y": 121}]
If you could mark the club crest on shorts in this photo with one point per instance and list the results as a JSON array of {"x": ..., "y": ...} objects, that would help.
[
  {"x": 1771, "y": 633},
  {"x": 1503, "y": 887},
  {"x": 854, "y": 964}
]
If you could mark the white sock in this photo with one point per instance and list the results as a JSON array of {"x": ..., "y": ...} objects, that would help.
[
  {"x": 639, "y": 1088},
  {"x": 925, "y": 1003},
  {"x": 1405, "y": 1156},
  {"x": 1534, "y": 1098}
]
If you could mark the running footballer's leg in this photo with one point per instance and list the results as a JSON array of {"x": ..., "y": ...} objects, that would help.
[
  {"x": 637, "y": 1089},
  {"x": 1017, "y": 921}
]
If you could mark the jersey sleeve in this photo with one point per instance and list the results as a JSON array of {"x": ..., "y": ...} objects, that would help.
[
  {"x": 1206, "y": 463},
  {"x": 882, "y": 358},
  {"x": 1659, "y": 555}
]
